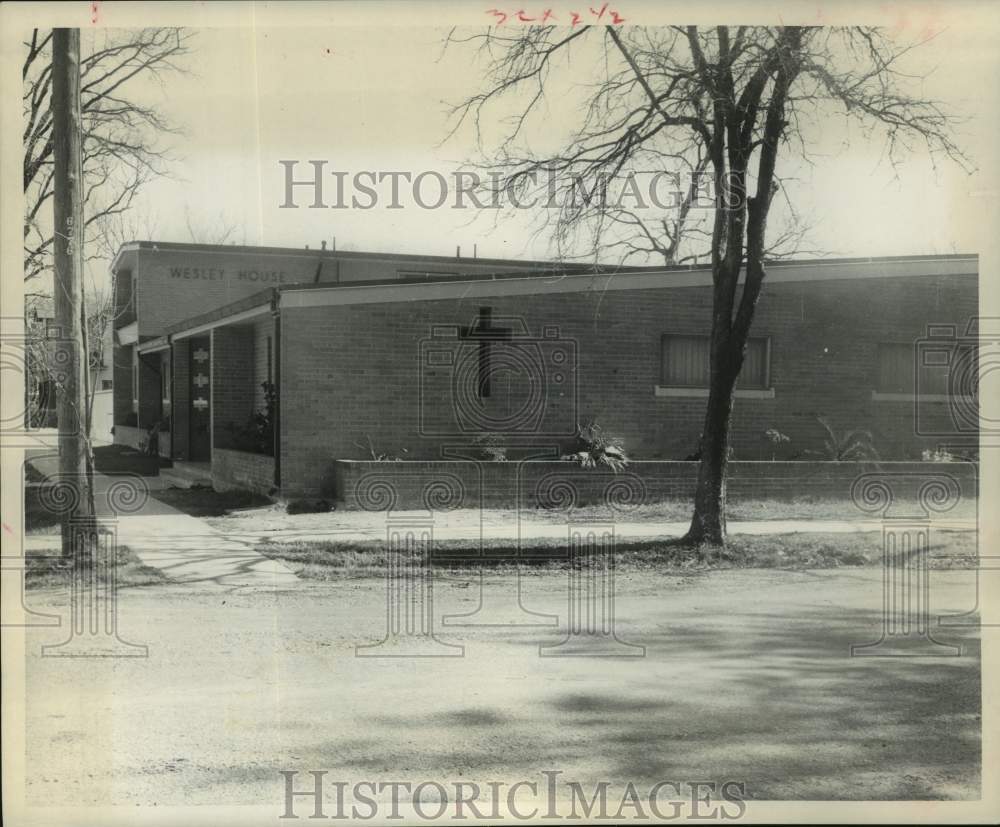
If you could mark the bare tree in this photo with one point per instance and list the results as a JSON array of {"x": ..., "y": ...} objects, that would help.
[
  {"x": 219, "y": 233},
  {"x": 730, "y": 100},
  {"x": 121, "y": 135}
]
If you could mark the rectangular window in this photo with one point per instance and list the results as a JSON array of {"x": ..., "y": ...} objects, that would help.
[
  {"x": 106, "y": 384},
  {"x": 899, "y": 371},
  {"x": 685, "y": 362},
  {"x": 895, "y": 368}
]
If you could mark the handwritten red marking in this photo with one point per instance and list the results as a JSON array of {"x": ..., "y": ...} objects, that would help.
[{"x": 604, "y": 13}]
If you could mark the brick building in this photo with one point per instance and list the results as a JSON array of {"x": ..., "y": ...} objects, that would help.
[{"x": 269, "y": 364}]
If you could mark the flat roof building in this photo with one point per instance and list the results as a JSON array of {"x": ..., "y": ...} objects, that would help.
[{"x": 262, "y": 366}]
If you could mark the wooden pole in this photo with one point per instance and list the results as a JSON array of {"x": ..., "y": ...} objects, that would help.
[{"x": 68, "y": 278}]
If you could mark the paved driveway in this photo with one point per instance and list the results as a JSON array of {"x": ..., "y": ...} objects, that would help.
[{"x": 746, "y": 676}]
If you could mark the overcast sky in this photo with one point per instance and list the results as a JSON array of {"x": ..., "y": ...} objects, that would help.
[{"x": 370, "y": 99}]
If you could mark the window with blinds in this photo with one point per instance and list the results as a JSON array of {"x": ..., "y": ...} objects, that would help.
[
  {"x": 896, "y": 368},
  {"x": 684, "y": 362},
  {"x": 899, "y": 371}
]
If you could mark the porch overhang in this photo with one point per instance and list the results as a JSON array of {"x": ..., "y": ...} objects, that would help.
[
  {"x": 128, "y": 335},
  {"x": 155, "y": 345},
  {"x": 246, "y": 309}
]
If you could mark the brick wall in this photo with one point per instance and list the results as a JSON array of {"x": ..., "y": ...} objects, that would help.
[
  {"x": 122, "y": 378},
  {"x": 150, "y": 405},
  {"x": 232, "y": 381},
  {"x": 380, "y": 486},
  {"x": 242, "y": 470},
  {"x": 353, "y": 372}
]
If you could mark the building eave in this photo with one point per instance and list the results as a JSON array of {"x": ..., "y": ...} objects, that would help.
[{"x": 309, "y": 295}]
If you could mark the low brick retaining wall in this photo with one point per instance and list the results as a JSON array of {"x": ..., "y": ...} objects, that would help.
[
  {"x": 383, "y": 486},
  {"x": 242, "y": 470},
  {"x": 164, "y": 444}
]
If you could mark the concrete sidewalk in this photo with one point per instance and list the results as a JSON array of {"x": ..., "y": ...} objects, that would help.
[
  {"x": 494, "y": 524},
  {"x": 185, "y": 548}
]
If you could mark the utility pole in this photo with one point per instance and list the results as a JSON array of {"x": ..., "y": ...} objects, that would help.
[{"x": 71, "y": 354}]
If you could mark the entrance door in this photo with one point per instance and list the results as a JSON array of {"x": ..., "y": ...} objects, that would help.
[{"x": 200, "y": 371}]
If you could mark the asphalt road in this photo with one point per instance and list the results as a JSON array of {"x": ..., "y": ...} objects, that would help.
[{"x": 746, "y": 676}]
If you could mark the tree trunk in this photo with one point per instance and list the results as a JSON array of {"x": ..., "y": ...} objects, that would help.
[
  {"x": 68, "y": 260},
  {"x": 708, "y": 523}
]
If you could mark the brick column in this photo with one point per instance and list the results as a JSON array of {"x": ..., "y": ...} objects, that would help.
[
  {"x": 122, "y": 377},
  {"x": 149, "y": 390}
]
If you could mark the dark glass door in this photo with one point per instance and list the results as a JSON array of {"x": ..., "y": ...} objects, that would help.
[{"x": 200, "y": 437}]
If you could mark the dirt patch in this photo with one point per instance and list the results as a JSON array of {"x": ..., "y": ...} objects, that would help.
[{"x": 206, "y": 502}]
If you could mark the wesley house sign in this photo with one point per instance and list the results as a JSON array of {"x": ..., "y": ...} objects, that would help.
[{"x": 217, "y": 274}]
